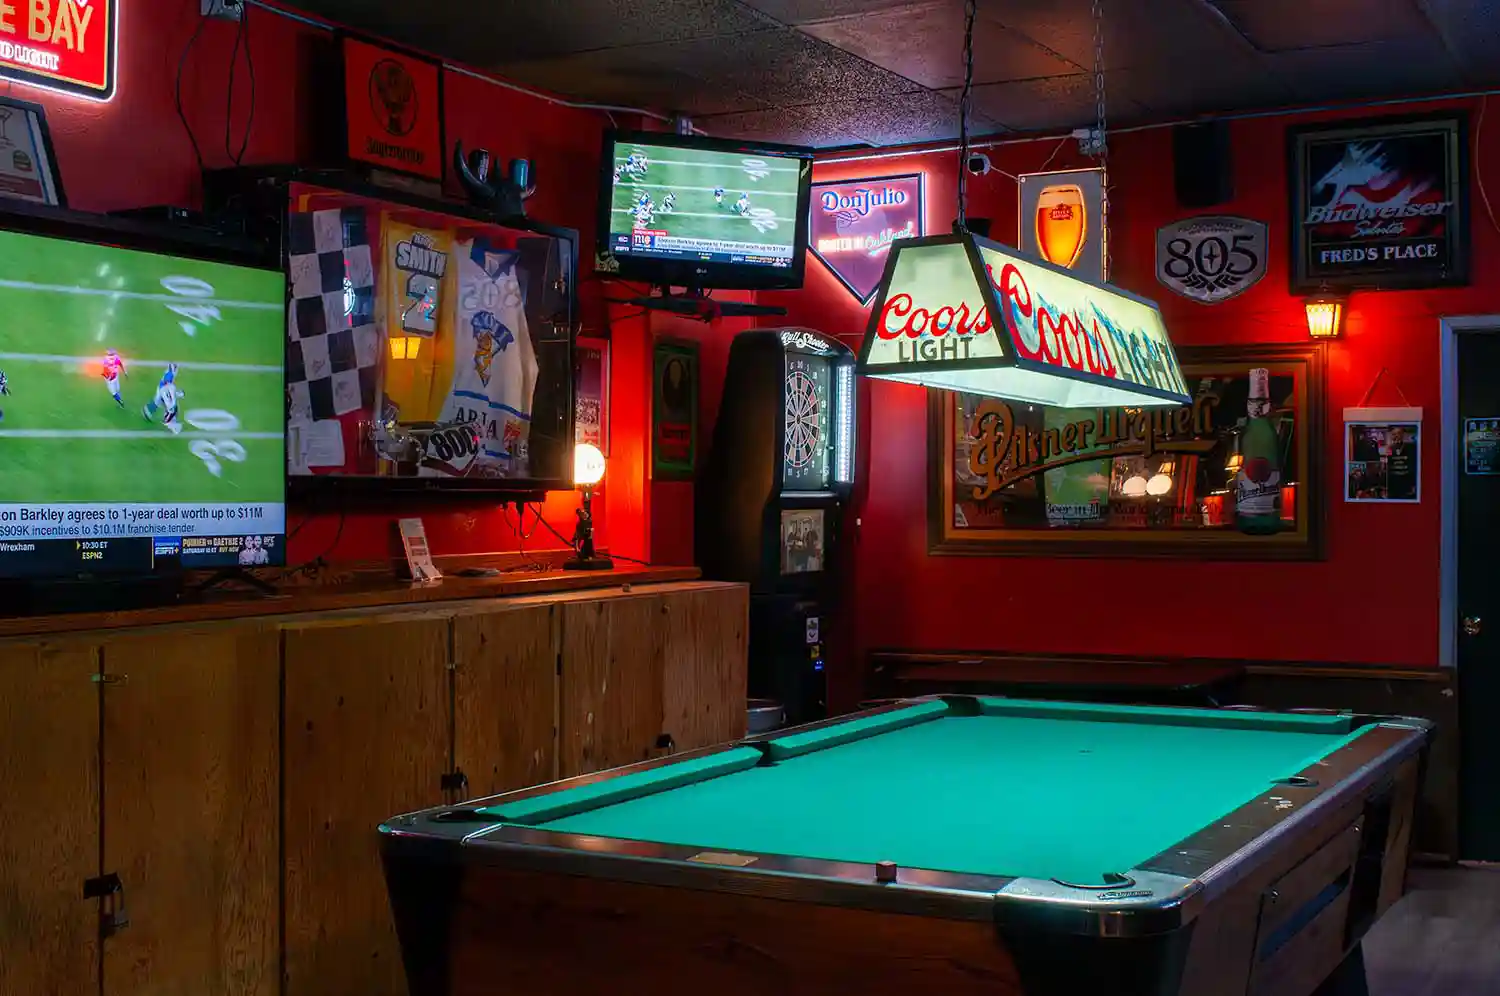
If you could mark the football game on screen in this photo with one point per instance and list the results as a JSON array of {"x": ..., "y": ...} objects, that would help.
[
  {"x": 141, "y": 409},
  {"x": 724, "y": 207}
]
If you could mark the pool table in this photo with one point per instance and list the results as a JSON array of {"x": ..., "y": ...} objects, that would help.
[{"x": 951, "y": 845}]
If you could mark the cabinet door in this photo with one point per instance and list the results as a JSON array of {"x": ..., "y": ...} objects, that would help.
[
  {"x": 505, "y": 698},
  {"x": 190, "y": 823},
  {"x": 366, "y": 737},
  {"x": 704, "y": 665},
  {"x": 49, "y": 818},
  {"x": 609, "y": 694}
]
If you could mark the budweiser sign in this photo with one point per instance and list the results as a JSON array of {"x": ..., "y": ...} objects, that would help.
[{"x": 966, "y": 314}]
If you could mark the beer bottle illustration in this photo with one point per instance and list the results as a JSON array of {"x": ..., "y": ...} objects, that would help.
[{"x": 1257, "y": 486}]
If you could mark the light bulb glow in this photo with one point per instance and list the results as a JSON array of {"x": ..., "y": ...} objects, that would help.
[{"x": 588, "y": 465}]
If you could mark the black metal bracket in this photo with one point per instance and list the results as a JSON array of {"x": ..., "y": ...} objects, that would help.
[{"x": 112, "y": 915}]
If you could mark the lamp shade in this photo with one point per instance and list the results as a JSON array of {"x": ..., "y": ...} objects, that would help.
[
  {"x": 1325, "y": 317},
  {"x": 588, "y": 465},
  {"x": 965, "y": 314}
]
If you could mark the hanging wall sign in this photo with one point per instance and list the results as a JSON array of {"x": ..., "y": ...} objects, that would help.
[
  {"x": 1382, "y": 454},
  {"x": 854, "y": 223},
  {"x": 1379, "y": 204},
  {"x": 1212, "y": 258},
  {"x": 393, "y": 109},
  {"x": 1062, "y": 220},
  {"x": 674, "y": 410},
  {"x": 66, "y": 45},
  {"x": 1482, "y": 446}
]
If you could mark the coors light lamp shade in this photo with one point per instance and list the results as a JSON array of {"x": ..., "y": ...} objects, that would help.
[{"x": 1060, "y": 340}]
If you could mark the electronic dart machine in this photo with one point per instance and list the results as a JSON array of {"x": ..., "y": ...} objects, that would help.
[{"x": 770, "y": 501}]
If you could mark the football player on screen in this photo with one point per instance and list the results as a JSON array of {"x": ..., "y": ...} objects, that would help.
[
  {"x": 4, "y": 390},
  {"x": 742, "y": 206},
  {"x": 112, "y": 371},
  {"x": 719, "y": 196},
  {"x": 167, "y": 393},
  {"x": 668, "y": 203}
]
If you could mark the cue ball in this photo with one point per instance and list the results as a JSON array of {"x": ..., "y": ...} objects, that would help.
[{"x": 885, "y": 871}]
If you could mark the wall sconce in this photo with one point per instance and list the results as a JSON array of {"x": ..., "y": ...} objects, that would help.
[{"x": 1325, "y": 316}]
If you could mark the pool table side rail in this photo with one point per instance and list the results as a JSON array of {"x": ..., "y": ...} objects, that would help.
[{"x": 1163, "y": 894}]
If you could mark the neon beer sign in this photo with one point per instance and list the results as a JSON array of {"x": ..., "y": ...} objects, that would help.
[
  {"x": 854, "y": 223},
  {"x": 63, "y": 45}
]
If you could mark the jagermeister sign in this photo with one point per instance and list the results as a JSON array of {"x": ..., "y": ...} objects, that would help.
[{"x": 1232, "y": 474}]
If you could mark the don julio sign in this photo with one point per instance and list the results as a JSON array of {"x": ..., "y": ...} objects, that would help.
[{"x": 854, "y": 223}]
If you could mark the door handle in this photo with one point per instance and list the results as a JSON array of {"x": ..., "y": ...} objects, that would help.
[{"x": 1473, "y": 625}]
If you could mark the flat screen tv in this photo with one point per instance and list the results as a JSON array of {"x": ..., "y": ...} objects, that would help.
[
  {"x": 141, "y": 409},
  {"x": 686, "y": 211},
  {"x": 426, "y": 349}
]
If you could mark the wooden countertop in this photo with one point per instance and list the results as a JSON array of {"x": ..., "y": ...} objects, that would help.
[{"x": 350, "y": 587}]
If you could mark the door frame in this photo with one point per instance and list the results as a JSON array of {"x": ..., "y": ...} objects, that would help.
[{"x": 1449, "y": 329}]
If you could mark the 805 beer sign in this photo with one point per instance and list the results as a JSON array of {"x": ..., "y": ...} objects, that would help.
[{"x": 1211, "y": 259}]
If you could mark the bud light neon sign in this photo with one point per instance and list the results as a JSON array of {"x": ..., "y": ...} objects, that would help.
[{"x": 854, "y": 223}]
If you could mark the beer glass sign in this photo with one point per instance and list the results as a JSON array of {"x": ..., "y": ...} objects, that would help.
[
  {"x": 1061, "y": 224},
  {"x": 1062, "y": 220}
]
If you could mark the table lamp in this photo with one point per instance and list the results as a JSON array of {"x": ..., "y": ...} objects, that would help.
[{"x": 588, "y": 471}]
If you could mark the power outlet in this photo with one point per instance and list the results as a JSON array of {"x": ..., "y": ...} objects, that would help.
[{"x": 223, "y": 10}]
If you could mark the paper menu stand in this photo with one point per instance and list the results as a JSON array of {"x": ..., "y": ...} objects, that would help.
[{"x": 418, "y": 563}]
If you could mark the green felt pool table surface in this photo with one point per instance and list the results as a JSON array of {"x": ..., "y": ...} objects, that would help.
[{"x": 1042, "y": 790}]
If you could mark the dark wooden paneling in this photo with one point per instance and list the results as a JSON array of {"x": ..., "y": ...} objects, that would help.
[
  {"x": 49, "y": 817},
  {"x": 505, "y": 698},
  {"x": 366, "y": 737},
  {"x": 610, "y": 692},
  {"x": 571, "y": 936},
  {"x": 705, "y": 657},
  {"x": 191, "y": 784}
]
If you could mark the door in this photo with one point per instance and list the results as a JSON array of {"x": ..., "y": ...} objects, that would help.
[
  {"x": 703, "y": 665},
  {"x": 190, "y": 821},
  {"x": 366, "y": 721},
  {"x": 504, "y": 698},
  {"x": 1479, "y": 594},
  {"x": 610, "y": 689}
]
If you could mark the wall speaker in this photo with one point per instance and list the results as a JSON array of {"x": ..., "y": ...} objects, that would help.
[{"x": 1202, "y": 164}]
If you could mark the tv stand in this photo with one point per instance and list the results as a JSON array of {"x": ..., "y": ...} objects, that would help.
[
  {"x": 694, "y": 302},
  {"x": 234, "y": 575}
]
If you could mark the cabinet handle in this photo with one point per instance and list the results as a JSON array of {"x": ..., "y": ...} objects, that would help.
[{"x": 112, "y": 915}]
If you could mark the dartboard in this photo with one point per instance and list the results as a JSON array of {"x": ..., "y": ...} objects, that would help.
[{"x": 804, "y": 435}]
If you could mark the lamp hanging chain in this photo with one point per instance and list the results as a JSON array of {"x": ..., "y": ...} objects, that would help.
[
  {"x": 1101, "y": 122},
  {"x": 964, "y": 101}
]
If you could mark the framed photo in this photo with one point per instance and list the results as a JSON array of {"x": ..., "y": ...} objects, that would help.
[
  {"x": 591, "y": 392},
  {"x": 28, "y": 166},
  {"x": 1383, "y": 455},
  {"x": 1380, "y": 203},
  {"x": 1016, "y": 479},
  {"x": 674, "y": 410}
]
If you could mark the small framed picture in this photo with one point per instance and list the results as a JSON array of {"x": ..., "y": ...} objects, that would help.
[
  {"x": 674, "y": 410},
  {"x": 28, "y": 166},
  {"x": 1383, "y": 455}
]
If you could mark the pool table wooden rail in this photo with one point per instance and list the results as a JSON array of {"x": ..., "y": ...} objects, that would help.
[{"x": 1270, "y": 900}]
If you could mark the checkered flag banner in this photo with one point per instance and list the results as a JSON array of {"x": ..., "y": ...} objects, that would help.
[{"x": 333, "y": 347}]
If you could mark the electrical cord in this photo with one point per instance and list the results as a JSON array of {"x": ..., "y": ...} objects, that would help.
[
  {"x": 241, "y": 35},
  {"x": 181, "y": 114},
  {"x": 572, "y": 545}
]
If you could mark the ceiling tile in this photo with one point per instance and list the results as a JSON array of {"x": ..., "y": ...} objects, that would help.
[
  {"x": 1413, "y": 65},
  {"x": 1136, "y": 32},
  {"x": 1472, "y": 34},
  {"x": 1279, "y": 25},
  {"x": 803, "y": 11},
  {"x": 909, "y": 117},
  {"x": 632, "y": 77},
  {"x": 1233, "y": 85},
  {"x": 811, "y": 125},
  {"x": 781, "y": 67},
  {"x": 924, "y": 43},
  {"x": 1054, "y": 103},
  {"x": 495, "y": 31}
]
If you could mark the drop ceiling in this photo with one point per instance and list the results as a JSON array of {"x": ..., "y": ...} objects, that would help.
[{"x": 841, "y": 73}]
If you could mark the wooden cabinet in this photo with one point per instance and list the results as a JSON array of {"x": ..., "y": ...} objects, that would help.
[
  {"x": 232, "y": 774},
  {"x": 505, "y": 667},
  {"x": 49, "y": 817},
  {"x": 366, "y": 714}
]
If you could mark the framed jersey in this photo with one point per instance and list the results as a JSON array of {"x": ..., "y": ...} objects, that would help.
[{"x": 426, "y": 346}]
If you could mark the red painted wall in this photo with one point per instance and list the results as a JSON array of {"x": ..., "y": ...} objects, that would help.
[
  {"x": 134, "y": 151},
  {"x": 1373, "y": 600}
]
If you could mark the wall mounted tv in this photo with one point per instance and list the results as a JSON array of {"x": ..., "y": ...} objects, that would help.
[
  {"x": 141, "y": 401},
  {"x": 685, "y": 211},
  {"x": 427, "y": 347}
]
